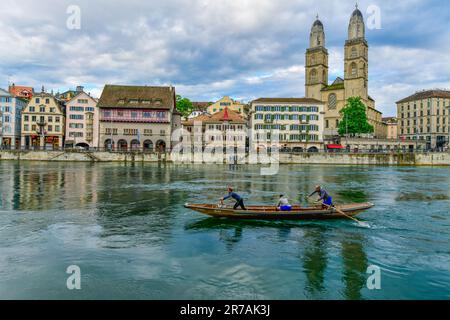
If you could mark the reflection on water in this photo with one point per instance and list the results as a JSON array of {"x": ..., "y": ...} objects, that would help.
[
  {"x": 355, "y": 267},
  {"x": 125, "y": 225},
  {"x": 315, "y": 260}
]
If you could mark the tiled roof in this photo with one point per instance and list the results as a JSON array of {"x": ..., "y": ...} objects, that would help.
[
  {"x": 286, "y": 100},
  {"x": 225, "y": 115},
  {"x": 17, "y": 90},
  {"x": 390, "y": 119},
  {"x": 334, "y": 86},
  {"x": 114, "y": 96},
  {"x": 427, "y": 94},
  {"x": 201, "y": 106}
]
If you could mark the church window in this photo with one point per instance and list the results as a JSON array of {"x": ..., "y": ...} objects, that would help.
[
  {"x": 332, "y": 101},
  {"x": 313, "y": 76},
  {"x": 354, "y": 70},
  {"x": 354, "y": 52}
]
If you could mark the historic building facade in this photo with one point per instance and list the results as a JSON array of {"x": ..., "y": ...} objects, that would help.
[
  {"x": 82, "y": 121},
  {"x": 222, "y": 129},
  {"x": 43, "y": 123},
  {"x": 299, "y": 122},
  {"x": 21, "y": 91},
  {"x": 230, "y": 104},
  {"x": 425, "y": 116},
  {"x": 355, "y": 82},
  {"x": 391, "y": 128},
  {"x": 11, "y": 109},
  {"x": 137, "y": 118}
]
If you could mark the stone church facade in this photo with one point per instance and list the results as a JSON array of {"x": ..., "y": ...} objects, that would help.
[{"x": 355, "y": 82}]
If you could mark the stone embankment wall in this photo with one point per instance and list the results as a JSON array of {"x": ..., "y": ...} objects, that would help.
[
  {"x": 402, "y": 159},
  {"x": 82, "y": 156}
]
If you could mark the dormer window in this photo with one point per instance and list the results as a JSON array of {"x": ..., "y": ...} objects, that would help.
[
  {"x": 122, "y": 101},
  {"x": 134, "y": 101},
  {"x": 146, "y": 101}
]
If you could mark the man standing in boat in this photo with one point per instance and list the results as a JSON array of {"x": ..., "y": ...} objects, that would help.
[
  {"x": 235, "y": 196},
  {"x": 325, "y": 198}
]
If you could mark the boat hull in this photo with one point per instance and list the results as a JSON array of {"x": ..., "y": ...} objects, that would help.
[{"x": 270, "y": 213}]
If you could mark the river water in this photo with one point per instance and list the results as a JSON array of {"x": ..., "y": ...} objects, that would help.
[{"x": 125, "y": 227}]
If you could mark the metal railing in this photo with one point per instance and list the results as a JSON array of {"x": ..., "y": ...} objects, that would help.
[{"x": 225, "y": 151}]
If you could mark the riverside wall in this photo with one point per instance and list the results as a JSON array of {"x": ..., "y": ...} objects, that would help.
[{"x": 391, "y": 159}]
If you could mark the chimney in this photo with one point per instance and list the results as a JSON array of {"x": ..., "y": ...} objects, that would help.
[{"x": 80, "y": 89}]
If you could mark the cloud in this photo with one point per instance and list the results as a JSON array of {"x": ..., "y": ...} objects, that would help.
[{"x": 211, "y": 48}]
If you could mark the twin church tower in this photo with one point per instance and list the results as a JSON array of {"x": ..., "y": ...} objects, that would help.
[{"x": 355, "y": 82}]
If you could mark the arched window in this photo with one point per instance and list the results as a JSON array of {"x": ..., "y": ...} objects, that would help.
[
  {"x": 148, "y": 145},
  {"x": 353, "y": 70},
  {"x": 122, "y": 145},
  {"x": 313, "y": 76},
  {"x": 135, "y": 145},
  {"x": 332, "y": 101}
]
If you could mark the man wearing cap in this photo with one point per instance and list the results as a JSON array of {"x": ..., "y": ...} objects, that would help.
[{"x": 327, "y": 200}]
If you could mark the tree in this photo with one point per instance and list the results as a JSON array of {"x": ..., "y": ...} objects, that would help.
[
  {"x": 354, "y": 118},
  {"x": 185, "y": 106}
]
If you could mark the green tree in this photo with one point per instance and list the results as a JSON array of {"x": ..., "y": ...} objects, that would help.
[
  {"x": 184, "y": 105},
  {"x": 354, "y": 118}
]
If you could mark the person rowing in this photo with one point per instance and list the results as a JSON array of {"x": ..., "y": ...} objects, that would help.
[
  {"x": 283, "y": 204},
  {"x": 235, "y": 196},
  {"x": 324, "y": 197}
]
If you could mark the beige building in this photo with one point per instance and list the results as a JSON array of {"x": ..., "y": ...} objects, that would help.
[
  {"x": 218, "y": 130},
  {"x": 299, "y": 121},
  {"x": 230, "y": 104},
  {"x": 43, "y": 123},
  {"x": 425, "y": 116},
  {"x": 391, "y": 128},
  {"x": 137, "y": 118},
  {"x": 82, "y": 121},
  {"x": 356, "y": 73}
]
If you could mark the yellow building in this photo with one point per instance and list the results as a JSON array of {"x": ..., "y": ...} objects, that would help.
[
  {"x": 227, "y": 102},
  {"x": 392, "y": 128},
  {"x": 355, "y": 82},
  {"x": 43, "y": 123}
]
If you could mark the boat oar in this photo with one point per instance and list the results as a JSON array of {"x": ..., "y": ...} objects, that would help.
[{"x": 360, "y": 223}]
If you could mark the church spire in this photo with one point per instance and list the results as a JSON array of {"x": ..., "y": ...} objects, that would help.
[
  {"x": 317, "y": 36},
  {"x": 356, "y": 27}
]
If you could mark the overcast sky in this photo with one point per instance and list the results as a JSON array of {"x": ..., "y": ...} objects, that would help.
[{"x": 210, "y": 48}]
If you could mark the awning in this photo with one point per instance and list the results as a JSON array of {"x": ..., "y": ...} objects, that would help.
[{"x": 334, "y": 146}]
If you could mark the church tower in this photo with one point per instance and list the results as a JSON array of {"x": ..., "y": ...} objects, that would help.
[
  {"x": 316, "y": 66},
  {"x": 356, "y": 59}
]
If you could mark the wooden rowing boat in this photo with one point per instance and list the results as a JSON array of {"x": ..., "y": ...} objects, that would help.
[{"x": 270, "y": 212}]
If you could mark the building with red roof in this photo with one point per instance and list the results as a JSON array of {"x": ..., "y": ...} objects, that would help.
[{"x": 22, "y": 92}]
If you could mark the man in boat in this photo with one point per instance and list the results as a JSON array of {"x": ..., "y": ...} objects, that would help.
[
  {"x": 325, "y": 198},
  {"x": 235, "y": 196},
  {"x": 283, "y": 204}
]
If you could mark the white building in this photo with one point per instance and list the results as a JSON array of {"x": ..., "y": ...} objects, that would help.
[
  {"x": 10, "y": 119},
  {"x": 299, "y": 122},
  {"x": 82, "y": 121}
]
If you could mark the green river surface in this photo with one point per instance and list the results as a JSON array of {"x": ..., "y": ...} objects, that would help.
[{"x": 126, "y": 228}]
